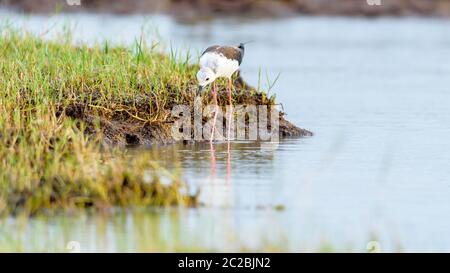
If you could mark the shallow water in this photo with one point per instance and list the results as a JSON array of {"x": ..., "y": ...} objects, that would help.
[{"x": 374, "y": 91}]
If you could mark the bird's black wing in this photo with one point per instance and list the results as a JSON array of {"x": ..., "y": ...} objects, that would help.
[
  {"x": 210, "y": 49},
  {"x": 230, "y": 52}
]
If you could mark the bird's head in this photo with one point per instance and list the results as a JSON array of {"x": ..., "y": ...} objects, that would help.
[{"x": 205, "y": 76}]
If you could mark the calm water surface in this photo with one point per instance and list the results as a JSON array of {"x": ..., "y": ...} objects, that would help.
[{"x": 374, "y": 92}]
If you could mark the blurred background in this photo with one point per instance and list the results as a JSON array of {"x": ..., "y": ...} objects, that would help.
[
  {"x": 193, "y": 9},
  {"x": 371, "y": 81}
]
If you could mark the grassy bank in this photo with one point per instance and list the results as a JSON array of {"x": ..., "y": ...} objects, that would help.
[
  {"x": 66, "y": 112},
  {"x": 52, "y": 150}
]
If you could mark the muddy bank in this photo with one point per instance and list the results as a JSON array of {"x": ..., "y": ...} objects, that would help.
[
  {"x": 123, "y": 129},
  {"x": 191, "y": 10}
]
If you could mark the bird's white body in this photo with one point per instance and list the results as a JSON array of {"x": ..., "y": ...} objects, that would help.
[{"x": 221, "y": 65}]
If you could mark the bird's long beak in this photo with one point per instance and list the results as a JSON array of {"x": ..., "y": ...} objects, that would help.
[{"x": 199, "y": 91}]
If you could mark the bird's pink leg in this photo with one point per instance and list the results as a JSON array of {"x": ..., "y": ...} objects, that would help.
[
  {"x": 215, "y": 112},
  {"x": 213, "y": 160},
  {"x": 231, "y": 109},
  {"x": 228, "y": 162}
]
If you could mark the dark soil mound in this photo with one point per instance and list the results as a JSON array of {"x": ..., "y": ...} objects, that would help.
[{"x": 125, "y": 130}]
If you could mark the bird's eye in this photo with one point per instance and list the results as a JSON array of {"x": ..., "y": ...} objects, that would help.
[{"x": 207, "y": 79}]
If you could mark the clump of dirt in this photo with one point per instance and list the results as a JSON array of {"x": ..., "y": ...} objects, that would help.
[{"x": 123, "y": 130}]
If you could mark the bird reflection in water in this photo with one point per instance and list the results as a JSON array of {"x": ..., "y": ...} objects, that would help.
[{"x": 213, "y": 162}]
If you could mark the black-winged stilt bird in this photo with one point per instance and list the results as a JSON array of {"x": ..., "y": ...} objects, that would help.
[{"x": 216, "y": 62}]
